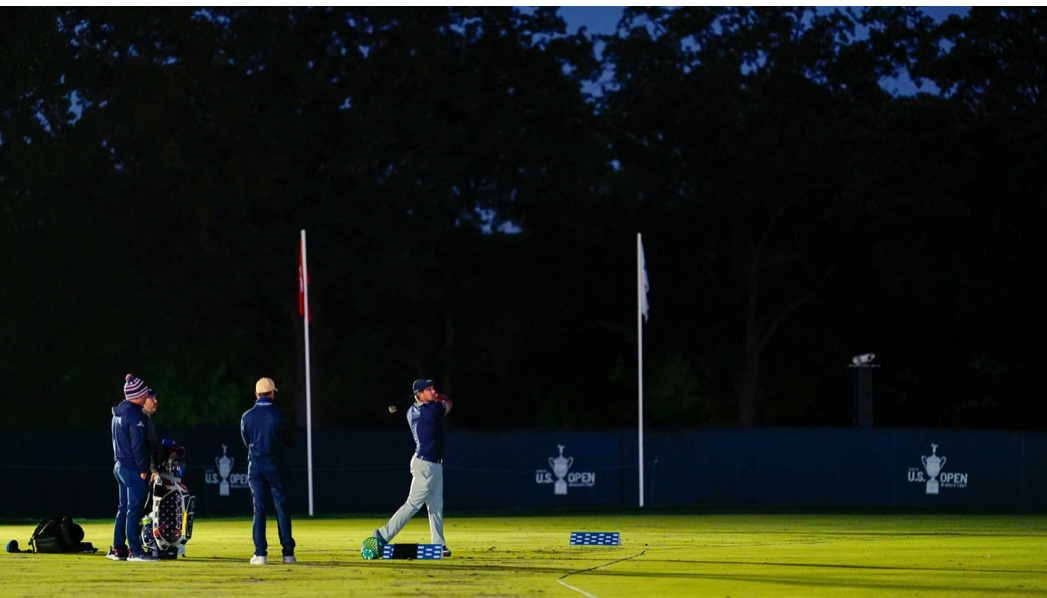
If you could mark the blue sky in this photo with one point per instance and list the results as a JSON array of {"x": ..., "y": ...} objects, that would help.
[
  {"x": 596, "y": 19},
  {"x": 604, "y": 19}
]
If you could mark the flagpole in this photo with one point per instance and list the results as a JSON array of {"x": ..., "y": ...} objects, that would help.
[
  {"x": 304, "y": 282},
  {"x": 640, "y": 298}
]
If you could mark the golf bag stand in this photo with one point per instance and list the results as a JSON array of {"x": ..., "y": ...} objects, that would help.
[{"x": 168, "y": 521}]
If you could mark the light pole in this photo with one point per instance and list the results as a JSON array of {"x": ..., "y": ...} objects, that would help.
[{"x": 863, "y": 389}]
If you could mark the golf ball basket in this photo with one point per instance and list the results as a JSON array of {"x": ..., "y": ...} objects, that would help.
[{"x": 372, "y": 548}]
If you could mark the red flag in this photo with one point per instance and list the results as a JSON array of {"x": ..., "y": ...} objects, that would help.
[{"x": 303, "y": 279}]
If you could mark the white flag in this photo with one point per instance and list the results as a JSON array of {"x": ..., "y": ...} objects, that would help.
[{"x": 643, "y": 298}]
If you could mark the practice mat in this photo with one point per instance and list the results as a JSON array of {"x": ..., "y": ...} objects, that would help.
[
  {"x": 413, "y": 551},
  {"x": 595, "y": 539}
]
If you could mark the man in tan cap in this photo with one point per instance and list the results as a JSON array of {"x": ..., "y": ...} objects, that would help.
[{"x": 268, "y": 435}]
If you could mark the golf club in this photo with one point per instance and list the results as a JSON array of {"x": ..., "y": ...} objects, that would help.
[{"x": 393, "y": 408}]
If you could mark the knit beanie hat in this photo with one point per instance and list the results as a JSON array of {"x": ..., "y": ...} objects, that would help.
[{"x": 135, "y": 388}]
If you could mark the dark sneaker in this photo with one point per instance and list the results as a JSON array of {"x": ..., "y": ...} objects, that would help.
[
  {"x": 142, "y": 558},
  {"x": 117, "y": 554},
  {"x": 446, "y": 552},
  {"x": 290, "y": 560}
]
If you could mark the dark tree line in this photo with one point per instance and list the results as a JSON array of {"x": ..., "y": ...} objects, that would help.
[{"x": 472, "y": 201}]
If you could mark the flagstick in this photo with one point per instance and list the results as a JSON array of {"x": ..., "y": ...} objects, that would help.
[
  {"x": 308, "y": 379},
  {"x": 639, "y": 348}
]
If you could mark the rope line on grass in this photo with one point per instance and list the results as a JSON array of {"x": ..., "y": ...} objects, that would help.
[{"x": 566, "y": 575}]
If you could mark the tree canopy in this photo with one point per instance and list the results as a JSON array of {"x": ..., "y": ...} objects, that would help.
[{"x": 472, "y": 192}]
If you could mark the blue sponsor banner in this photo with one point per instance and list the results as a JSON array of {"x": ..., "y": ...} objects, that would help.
[
  {"x": 529, "y": 469},
  {"x": 358, "y": 471},
  {"x": 960, "y": 469}
]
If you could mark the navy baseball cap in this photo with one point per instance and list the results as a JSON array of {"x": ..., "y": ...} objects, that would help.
[{"x": 422, "y": 384}]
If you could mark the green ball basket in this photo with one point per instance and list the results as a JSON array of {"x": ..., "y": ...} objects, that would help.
[{"x": 371, "y": 549}]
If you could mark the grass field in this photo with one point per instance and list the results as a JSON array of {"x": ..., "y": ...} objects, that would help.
[{"x": 719, "y": 555}]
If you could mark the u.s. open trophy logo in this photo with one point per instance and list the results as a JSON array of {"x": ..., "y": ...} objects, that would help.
[
  {"x": 560, "y": 475},
  {"x": 933, "y": 475},
  {"x": 933, "y": 465},
  {"x": 560, "y": 466},
  {"x": 225, "y": 467}
]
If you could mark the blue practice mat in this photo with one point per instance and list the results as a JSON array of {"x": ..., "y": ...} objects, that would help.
[
  {"x": 595, "y": 539},
  {"x": 412, "y": 551}
]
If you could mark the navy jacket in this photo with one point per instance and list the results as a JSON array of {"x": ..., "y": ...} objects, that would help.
[
  {"x": 131, "y": 436},
  {"x": 426, "y": 422},
  {"x": 266, "y": 433}
]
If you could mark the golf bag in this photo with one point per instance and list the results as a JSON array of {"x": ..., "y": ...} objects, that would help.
[{"x": 168, "y": 521}]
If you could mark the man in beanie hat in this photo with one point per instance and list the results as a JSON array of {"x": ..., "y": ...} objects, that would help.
[
  {"x": 268, "y": 435},
  {"x": 130, "y": 430},
  {"x": 425, "y": 418}
]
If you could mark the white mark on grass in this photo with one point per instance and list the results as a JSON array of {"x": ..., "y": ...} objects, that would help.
[{"x": 583, "y": 592}]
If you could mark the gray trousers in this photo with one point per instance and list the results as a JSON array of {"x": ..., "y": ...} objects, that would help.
[{"x": 427, "y": 487}]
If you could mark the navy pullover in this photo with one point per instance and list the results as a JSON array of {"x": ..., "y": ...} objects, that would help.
[
  {"x": 130, "y": 436},
  {"x": 426, "y": 421},
  {"x": 266, "y": 433}
]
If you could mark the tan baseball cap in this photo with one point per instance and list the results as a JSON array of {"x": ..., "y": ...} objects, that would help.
[{"x": 264, "y": 385}]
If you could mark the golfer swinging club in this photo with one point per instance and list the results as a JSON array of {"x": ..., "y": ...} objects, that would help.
[{"x": 425, "y": 417}]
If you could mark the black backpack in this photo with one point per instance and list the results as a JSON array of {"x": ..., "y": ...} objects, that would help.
[{"x": 59, "y": 534}]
